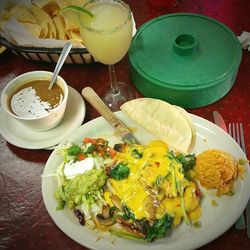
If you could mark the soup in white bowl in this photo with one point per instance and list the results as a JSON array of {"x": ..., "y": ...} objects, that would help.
[{"x": 28, "y": 99}]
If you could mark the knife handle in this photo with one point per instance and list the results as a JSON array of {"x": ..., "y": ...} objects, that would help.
[{"x": 90, "y": 95}]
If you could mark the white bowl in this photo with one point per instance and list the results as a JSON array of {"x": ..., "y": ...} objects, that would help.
[{"x": 41, "y": 123}]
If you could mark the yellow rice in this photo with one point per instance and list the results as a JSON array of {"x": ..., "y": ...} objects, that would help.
[{"x": 216, "y": 169}]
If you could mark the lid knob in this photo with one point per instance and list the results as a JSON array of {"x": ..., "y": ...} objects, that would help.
[{"x": 184, "y": 44}]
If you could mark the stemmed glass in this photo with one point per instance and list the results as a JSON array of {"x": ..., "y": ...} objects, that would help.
[{"x": 107, "y": 37}]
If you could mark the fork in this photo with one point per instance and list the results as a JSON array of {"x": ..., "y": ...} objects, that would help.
[{"x": 236, "y": 131}]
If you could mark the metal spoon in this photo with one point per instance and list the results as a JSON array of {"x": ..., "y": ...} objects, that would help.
[{"x": 66, "y": 49}]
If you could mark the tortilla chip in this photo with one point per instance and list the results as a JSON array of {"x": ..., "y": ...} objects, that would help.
[
  {"x": 51, "y": 8},
  {"x": 44, "y": 14},
  {"x": 71, "y": 26},
  {"x": 42, "y": 19},
  {"x": 33, "y": 29},
  {"x": 23, "y": 14},
  {"x": 65, "y": 3},
  {"x": 5, "y": 15},
  {"x": 60, "y": 27},
  {"x": 52, "y": 27},
  {"x": 44, "y": 30},
  {"x": 75, "y": 36},
  {"x": 40, "y": 3},
  {"x": 161, "y": 119},
  {"x": 49, "y": 34}
]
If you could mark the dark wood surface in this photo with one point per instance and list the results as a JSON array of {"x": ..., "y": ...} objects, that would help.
[{"x": 24, "y": 220}]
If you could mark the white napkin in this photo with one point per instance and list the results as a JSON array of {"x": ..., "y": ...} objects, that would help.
[{"x": 244, "y": 39}]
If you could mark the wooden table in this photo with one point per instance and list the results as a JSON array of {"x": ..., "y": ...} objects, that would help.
[{"x": 24, "y": 221}]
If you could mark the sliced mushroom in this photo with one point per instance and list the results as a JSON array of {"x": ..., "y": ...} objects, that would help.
[
  {"x": 104, "y": 221},
  {"x": 120, "y": 147},
  {"x": 106, "y": 211},
  {"x": 135, "y": 227}
]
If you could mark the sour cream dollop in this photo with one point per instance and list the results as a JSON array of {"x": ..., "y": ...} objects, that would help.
[{"x": 71, "y": 169}]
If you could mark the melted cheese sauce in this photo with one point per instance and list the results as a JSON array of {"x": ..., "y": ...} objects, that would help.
[{"x": 151, "y": 190}]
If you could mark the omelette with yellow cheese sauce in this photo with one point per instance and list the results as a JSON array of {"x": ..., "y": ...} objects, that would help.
[
  {"x": 134, "y": 191},
  {"x": 153, "y": 186}
]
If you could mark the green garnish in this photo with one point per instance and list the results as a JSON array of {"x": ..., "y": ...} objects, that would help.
[
  {"x": 119, "y": 172},
  {"x": 74, "y": 150},
  {"x": 136, "y": 154},
  {"x": 159, "y": 228}
]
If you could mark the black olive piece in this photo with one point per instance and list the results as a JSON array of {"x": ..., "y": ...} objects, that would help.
[{"x": 80, "y": 216}]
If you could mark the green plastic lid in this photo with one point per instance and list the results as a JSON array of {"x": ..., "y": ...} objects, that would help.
[{"x": 186, "y": 59}]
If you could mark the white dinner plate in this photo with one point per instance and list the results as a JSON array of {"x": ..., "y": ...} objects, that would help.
[
  {"x": 17, "y": 134},
  {"x": 214, "y": 220}
]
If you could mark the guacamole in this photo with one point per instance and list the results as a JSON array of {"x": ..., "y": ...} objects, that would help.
[{"x": 81, "y": 188}]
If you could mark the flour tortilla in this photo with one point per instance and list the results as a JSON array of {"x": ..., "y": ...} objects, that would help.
[
  {"x": 162, "y": 120},
  {"x": 186, "y": 115}
]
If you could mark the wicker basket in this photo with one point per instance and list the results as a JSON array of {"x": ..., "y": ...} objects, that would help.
[{"x": 76, "y": 55}]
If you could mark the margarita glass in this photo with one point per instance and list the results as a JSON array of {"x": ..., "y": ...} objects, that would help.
[{"x": 107, "y": 37}]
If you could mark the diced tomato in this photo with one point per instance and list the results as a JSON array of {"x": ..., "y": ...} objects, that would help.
[
  {"x": 101, "y": 141},
  {"x": 101, "y": 153},
  {"x": 101, "y": 147},
  {"x": 81, "y": 156},
  {"x": 111, "y": 152},
  {"x": 157, "y": 164},
  {"x": 89, "y": 140},
  {"x": 198, "y": 193}
]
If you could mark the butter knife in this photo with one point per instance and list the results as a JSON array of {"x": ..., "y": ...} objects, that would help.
[
  {"x": 219, "y": 121},
  {"x": 91, "y": 96}
]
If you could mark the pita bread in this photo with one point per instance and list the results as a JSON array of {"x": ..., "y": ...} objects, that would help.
[{"x": 162, "y": 120}]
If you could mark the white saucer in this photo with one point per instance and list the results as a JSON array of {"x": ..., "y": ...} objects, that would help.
[{"x": 17, "y": 134}]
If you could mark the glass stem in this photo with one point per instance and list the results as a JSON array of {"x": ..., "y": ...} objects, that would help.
[{"x": 112, "y": 78}]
